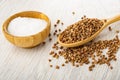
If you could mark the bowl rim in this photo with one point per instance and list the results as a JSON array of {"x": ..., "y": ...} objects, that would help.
[{"x": 19, "y": 14}]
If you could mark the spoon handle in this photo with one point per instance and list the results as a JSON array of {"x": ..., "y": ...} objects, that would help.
[{"x": 112, "y": 20}]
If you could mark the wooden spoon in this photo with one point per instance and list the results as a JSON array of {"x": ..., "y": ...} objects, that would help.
[{"x": 78, "y": 43}]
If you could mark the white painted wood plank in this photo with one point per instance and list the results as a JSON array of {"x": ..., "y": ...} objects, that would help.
[{"x": 32, "y": 64}]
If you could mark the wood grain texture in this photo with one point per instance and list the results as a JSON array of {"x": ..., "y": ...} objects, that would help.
[
  {"x": 27, "y": 41},
  {"x": 78, "y": 43},
  {"x": 32, "y": 64}
]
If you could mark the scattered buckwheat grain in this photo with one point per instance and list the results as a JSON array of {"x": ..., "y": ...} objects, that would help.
[
  {"x": 57, "y": 67},
  {"x": 73, "y": 13},
  {"x": 51, "y": 65},
  {"x": 88, "y": 54},
  {"x": 117, "y": 31},
  {"x": 110, "y": 29},
  {"x": 49, "y": 60}
]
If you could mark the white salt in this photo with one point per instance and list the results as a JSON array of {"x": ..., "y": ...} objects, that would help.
[{"x": 23, "y": 26}]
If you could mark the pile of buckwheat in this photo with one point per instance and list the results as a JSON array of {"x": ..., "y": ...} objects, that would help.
[
  {"x": 81, "y": 30},
  {"x": 92, "y": 53}
]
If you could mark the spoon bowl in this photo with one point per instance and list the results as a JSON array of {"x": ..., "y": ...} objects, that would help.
[{"x": 78, "y": 43}]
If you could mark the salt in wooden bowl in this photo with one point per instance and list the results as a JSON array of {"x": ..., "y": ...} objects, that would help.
[{"x": 27, "y": 41}]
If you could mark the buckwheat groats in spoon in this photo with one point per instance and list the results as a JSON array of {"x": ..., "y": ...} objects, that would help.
[
  {"x": 91, "y": 53},
  {"x": 83, "y": 31}
]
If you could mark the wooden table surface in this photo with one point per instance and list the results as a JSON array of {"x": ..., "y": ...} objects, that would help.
[{"x": 32, "y": 64}]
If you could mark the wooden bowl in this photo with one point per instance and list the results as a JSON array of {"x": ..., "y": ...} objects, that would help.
[{"x": 27, "y": 41}]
